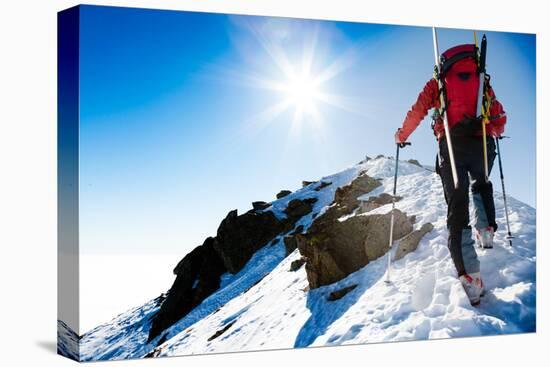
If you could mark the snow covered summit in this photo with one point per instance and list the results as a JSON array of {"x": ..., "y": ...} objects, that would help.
[{"x": 269, "y": 302}]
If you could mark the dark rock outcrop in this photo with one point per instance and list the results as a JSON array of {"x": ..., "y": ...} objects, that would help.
[
  {"x": 410, "y": 242},
  {"x": 291, "y": 244},
  {"x": 290, "y": 241},
  {"x": 367, "y": 158},
  {"x": 336, "y": 295},
  {"x": 297, "y": 208},
  {"x": 221, "y": 331},
  {"x": 240, "y": 236},
  {"x": 322, "y": 185},
  {"x": 307, "y": 183},
  {"x": 298, "y": 229},
  {"x": 297, "y": 264},
  {"x": 260, "y": 205},
  {"x": 283, "y": 193},
  {"x": 197, "y": 276}
]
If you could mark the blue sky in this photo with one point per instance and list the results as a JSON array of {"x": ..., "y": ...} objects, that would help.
[{"x": 175, "y": 129}]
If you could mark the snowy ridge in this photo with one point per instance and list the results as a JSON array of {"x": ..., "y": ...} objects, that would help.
[
  {"x": 126, "y": 336},
  {"x": 266, "y": 306}
]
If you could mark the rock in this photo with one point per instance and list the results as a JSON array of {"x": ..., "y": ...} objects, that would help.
[
  {"x": 367, "y": 158},
  {"x": 380, "y": 156},
  {"x": 240, "y": 236},
  {"x": 336, "y": 295},
  {"x": 410, "y": 242},
  {"x": 374, "y": 202},
  {"x": 297, "y": 208},
  {"x": 153, "y": 354},
  {"x": 376, "y": 241},
  {"x": 162, "y": 339},
  {"x": 222, "y": 330},
  {"x": 346, "y": 196},
  {"x": 322, "y": 185},
  {"x": 307, "y": 183},
  {"x": 290, "y": 244},
  {"x": 197, "y": 277},
  {"x": 334, "y": 249},
  {"x": 298, "y": 229},
  {"x": 311, "y": 200},
  {"x": 260, "y": 205},
  {"x": 283, "y": 193},
  {"x": 297, "y": 264},
  {"x": 415, "y": 162}
]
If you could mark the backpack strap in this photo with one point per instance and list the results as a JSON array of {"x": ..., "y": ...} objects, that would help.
[
  {"x": 448, "y": 63},
  {"x": 438, "y": 112}
]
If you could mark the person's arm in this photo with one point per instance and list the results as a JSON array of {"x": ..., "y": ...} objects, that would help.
[
  {"x": 425, "y": 101},
  {"x": 497, "y": 116}
]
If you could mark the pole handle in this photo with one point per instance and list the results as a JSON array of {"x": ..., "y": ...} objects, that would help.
[{"x": 403, "y": 144}]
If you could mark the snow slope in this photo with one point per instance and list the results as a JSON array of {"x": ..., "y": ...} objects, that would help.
[
  {"x": 125, "y": 336},
  {"x": 266, "y": 306}
]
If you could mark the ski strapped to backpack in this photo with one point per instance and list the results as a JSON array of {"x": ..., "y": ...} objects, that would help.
[
  {"x": 399, "y": 146},
  {"x": 483, "y": 98},
  {"x": 438, "y": 71}
]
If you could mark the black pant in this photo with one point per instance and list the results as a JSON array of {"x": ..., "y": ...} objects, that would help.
[{"x": 468, "y": 154}]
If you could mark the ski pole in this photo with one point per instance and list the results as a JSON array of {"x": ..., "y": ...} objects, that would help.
[
  {"x": 509, "y": 235},
  {"x": 443, "y": 108},
  {"x": 399, "y": 145}
]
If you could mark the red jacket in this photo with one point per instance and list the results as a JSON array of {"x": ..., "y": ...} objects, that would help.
[{"x": 429, "y": 98}]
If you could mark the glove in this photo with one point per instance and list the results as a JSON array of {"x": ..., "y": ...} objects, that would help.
[{"x": 399, "y": 137}]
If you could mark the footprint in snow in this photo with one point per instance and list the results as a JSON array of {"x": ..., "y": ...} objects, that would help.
[{"x": 423, "y": 292}]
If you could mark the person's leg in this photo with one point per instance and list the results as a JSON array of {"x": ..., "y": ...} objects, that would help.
[
  {"x": 469, "y": 255},
  {"x": 459, "y": 241},
  {"x": 482, "y": 190},
  {"x": 438, "y": 171}
]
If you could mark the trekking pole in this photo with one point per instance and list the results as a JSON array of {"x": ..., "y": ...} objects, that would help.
[
  {"x": 444, "y": 109},
  {"x": 509, "y": 235},
  {"x": 399, "y": 145}
]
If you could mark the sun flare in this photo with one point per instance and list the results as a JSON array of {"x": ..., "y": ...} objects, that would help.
[
  {"x": 303, "y": 92},
  {"x": 302, "y": 83}
]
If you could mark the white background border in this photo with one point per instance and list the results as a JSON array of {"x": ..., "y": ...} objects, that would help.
[{"x": 28, "y": 98}]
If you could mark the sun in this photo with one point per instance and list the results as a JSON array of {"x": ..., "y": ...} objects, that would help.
[
  {"x": 301, "y": 81},
  {"x": 302, "y": 92}
]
